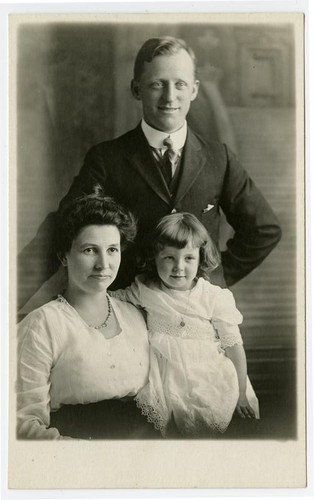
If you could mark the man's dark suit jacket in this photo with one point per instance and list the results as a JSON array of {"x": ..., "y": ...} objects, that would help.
[{"x": 211, "y": 179}]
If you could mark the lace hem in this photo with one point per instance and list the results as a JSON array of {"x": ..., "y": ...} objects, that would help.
[
  {"x": 191, "y": 423},
  {"x": 188, "y": 424},
  {"x": 195, "y": 428},
  {"x": 152, "y": 415}
]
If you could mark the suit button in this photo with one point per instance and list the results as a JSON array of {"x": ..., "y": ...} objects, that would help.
[{"x": 173, "y": 211}]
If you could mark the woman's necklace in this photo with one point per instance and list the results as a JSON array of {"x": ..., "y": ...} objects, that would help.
[{"x": 98, "y": 327}]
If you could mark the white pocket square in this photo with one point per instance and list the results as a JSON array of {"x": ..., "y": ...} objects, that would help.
[{"x": 208, "y": 208}]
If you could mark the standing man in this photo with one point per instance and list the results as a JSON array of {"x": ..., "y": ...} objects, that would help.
[{"x": 162, "y": 167}]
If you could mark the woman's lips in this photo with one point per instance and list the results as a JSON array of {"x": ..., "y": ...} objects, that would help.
[{"x": 100, "y": 276}]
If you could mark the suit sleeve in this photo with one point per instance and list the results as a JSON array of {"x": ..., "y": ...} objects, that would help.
[
  {"x": 257, "y": 230},
  {"x": 37, "y": 262},
  {"x": 92, "y": 172}
]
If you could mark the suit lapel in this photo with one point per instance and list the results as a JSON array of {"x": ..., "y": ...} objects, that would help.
[
  {"x": 142, "y": 160},
  {"x": 193, "y": 162}
]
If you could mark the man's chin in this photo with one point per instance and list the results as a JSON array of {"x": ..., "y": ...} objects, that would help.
[{"x": 168, "y": 125}]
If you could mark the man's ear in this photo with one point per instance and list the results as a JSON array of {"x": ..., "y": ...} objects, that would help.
[
  {"x": 195, "y": 90},
  {"x": 135, "y": 89}
]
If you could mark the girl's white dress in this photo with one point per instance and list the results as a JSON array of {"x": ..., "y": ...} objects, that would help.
[{"x": 190, "y": 376}]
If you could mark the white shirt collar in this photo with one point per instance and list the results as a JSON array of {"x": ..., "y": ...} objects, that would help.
[{"x": 155, "y": 137}]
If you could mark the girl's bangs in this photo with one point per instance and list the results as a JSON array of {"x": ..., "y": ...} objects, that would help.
[{"x": 180, "y": 236}]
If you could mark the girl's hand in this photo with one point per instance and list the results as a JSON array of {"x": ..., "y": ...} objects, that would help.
[{"x": 244, "y": 409}]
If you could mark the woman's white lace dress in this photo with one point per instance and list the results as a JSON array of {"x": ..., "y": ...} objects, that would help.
[{"x": 190, "y": 375}]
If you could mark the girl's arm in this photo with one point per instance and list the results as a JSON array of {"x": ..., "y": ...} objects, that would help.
[
  {"x": 226, "y": 318},
  {"x": 237, "y": 355},
  {"x": 131, "y": 294}
]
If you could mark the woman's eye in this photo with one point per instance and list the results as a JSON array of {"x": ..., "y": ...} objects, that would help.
[
  {"x": 113, "y": 250},
  {"x": 89, "y": 251}
]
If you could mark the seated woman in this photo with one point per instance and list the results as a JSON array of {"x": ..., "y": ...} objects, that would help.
[{"x": 83, "y": 356}]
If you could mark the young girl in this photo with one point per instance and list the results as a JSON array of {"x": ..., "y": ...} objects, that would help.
[{"x": 198, "y": 374}]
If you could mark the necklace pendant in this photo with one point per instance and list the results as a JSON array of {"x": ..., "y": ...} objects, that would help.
[{"x": 182, "y": 323}]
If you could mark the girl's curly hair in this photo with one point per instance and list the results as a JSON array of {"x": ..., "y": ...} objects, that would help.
[{"x": 178, "y": 230}]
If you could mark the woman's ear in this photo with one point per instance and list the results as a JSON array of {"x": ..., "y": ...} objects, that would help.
[
  {"x": 62, "y": 259},
  {"x": 135, "y": 89}
]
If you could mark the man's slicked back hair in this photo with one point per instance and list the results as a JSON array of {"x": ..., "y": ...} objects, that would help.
[{"x": 164, "y": 46}]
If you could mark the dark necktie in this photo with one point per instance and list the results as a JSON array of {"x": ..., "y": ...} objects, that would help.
[{"x": 168, "y": 160}]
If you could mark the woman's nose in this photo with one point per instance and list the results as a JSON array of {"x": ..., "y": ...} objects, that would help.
[{"x": 102, "y": 261}]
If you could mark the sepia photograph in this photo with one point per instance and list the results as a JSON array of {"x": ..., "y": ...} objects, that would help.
[{"x": 157, "y": 228}]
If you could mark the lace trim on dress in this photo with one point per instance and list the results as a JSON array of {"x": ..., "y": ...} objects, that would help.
[
  {"x": 230, "y": 341},
  {"x": 213, "y": 415},
  {"x": 189, "y": 425},
  {"x": 192, "y": 421},
  {"x": 61, "y": 299},
  {"x": 196, "y": 427},
  {"x": 159, "y": 325},
  {"x": 153, "y": 415}
]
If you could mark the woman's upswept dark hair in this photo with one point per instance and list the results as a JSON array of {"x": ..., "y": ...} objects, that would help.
[
  {"x": 89, "y": 209},
  {"x": 178, "y": 230}
]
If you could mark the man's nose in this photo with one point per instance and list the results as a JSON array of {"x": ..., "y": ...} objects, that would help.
[{"x": 169, "y": 92}]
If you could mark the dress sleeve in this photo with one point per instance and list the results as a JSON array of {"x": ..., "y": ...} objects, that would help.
[
  {"x": 131, "y": 294},
  {"x": 226, "y": 318},
  {"x": 35, "y": 362}
]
